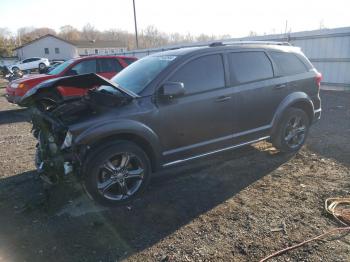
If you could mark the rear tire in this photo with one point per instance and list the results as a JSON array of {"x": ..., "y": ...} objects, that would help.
[
  {"x": 42, "y": 66},
  {"x": 292, "y": 130},
  {"x": 117, "y": 173}
]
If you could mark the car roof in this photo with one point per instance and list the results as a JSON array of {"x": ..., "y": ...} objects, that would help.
[
  {"x": 236, "y": 46},
  {"x": 102, "y": 56}
]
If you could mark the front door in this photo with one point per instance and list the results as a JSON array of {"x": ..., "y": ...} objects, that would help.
[
  {"x": 201, "y": 121},
  {"x": 25, "y": 65}
]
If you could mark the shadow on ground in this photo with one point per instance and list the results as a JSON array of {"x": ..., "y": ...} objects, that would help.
[
  {"x": 14, "y": 116},
  {"x": 39, "y": 227},
  {"x": 330, "y": 137}
]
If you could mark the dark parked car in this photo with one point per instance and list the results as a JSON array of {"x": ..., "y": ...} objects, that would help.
[{"x": 173, "y": 107}]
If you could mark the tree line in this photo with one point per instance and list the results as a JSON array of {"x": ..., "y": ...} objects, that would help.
[{"x": 148, "y": 38}]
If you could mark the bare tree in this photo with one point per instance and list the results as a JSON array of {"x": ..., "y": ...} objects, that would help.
[
  {"x": 7, "y": 42},
  {"x": 90, "y": 33},
  {"x": 149, "y": 37},
  {"x": 27, "y": 34},
  {"x": 152, "y": 37},
  {"x": 68, "y": 32},
  {"x": 252, "y": 33}
]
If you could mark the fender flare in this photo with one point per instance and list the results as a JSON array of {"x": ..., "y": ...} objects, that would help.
[
  {"x": 290, "y": 100},
  {"x": 120, "y": 127}
]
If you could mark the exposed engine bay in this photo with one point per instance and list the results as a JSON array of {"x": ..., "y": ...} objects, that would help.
[{"x": 56, "y": 154}]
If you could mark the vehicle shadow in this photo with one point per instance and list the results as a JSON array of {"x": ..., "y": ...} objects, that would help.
[
  {"x": 14, "y": 116},
  {"x": 172, "y": 200},
  {"x": 331, "y": 135}
]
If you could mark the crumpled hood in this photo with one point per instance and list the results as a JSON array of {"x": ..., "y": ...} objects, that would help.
[
  {"x": 26, "y": 78},
  {"x": 85, "y": 81}
]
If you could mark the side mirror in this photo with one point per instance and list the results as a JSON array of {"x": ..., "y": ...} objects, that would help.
[{"x": 172, "y": 90}]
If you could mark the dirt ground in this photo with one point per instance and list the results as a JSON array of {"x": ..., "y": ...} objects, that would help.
[{"x": 219, "y": 209}]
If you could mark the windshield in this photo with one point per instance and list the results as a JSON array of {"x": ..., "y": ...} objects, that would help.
[
  {"x": 60, "y": 68},
  {"x": 139, "y": 74}
]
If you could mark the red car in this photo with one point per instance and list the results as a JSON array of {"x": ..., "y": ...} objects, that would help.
[{"x": 106, "y": 66}]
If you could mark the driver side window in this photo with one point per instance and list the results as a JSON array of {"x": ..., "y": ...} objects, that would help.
[
  {"x": 201, "y": 74},
  {"x": 84, "y": 67}
]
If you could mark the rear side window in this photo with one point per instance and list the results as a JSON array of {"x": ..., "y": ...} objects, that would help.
[
  {"x": 201, "y": 74},
  {"x": 85, "y": 67},
  {"x": 249, "y": 66},
  {"x": 109, "y": 65},
  {"x": 288, "y": 63},
  {"x": 129, "y": 60}
]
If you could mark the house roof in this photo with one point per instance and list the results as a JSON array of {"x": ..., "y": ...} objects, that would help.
[
  {"x": 95, "y": 43},
  {"x": 78, "y": 43},
  {"x": 44, "y": 36}
]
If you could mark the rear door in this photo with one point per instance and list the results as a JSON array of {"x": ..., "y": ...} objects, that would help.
[
  {"x": 34, "y": 64},
  {"x": 83, "y": 67},
  {"x": 108, "y": 67},
  {"x": 292, "y": 70},
  {"x": 200, "y": 121},
  {"x": 128, "y": 60},
  {"x": 256, "y": 99}
]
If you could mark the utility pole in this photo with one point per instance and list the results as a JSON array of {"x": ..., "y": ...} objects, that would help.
[
  {"x": 137, "y": 39},
  {"x": 286, "y": 28}
]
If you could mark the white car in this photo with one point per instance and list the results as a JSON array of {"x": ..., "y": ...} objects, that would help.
[{"x": 31, "y": 63}]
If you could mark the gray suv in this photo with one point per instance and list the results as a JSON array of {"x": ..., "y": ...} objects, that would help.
[{"x": 172, "y": 107}]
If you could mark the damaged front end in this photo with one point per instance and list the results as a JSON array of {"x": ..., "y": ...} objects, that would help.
[
  {"x": 56, "y": 154},
  {"x": 53, "y": 157}
]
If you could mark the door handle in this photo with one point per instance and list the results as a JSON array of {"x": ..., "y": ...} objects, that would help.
[
  {"x": 223, "y": 98},
  {"x": 280, "y": 86}
]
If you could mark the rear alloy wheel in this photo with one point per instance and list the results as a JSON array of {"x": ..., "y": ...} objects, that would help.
[
  {"x": 292, "y": 131},
  {"x": 117, "y": 174},
  {"x": 42, "y": 66}
]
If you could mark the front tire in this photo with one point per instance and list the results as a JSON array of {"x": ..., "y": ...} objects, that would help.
[
  {"x": 117, "y": 173},
  {"x": 292, "y": 131}
]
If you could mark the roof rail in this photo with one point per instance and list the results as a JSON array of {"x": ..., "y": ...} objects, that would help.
[{"x": 257, "y": 42}]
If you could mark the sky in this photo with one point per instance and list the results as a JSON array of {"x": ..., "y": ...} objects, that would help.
[{"x": 218, "y": 17}]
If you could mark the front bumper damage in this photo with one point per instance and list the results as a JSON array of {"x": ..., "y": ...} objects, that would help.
[
  {"x": 53, "y": 160},
  {"x": 57, "y": 155}
]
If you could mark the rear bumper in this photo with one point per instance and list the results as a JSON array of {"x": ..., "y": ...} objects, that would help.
[{"x": 317, "y": 115}]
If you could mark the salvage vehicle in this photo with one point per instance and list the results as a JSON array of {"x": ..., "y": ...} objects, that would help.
[
  {"x": 170, "y": 108},
  {"x": 106, "y": 66}
]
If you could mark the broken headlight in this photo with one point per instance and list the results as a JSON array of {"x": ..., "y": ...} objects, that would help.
[{"x": 67, "y": 141}]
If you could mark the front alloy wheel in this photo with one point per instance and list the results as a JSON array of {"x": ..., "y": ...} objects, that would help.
[
  {"x": 120, "y": 176},
  {"x": 116, "y": 174}
]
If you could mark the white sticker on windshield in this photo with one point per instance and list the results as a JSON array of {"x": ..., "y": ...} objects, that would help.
[{"x": 167, "y": 58}]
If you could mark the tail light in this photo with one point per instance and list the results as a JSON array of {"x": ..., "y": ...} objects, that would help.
[{"x": 318, "y": 79}]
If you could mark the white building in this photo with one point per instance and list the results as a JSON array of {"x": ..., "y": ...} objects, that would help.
[
  {"x": 97, "y": 47},
  {"x": 56, "y": 48}
]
